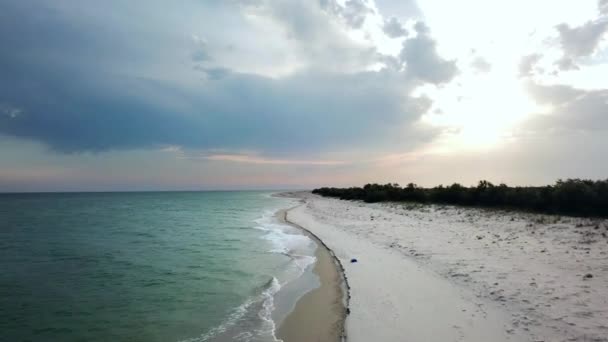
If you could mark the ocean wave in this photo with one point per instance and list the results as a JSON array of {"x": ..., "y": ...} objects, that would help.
[
  {"x": 287, "y": 241},
  {"x": 284, "y": 240},
  {"x": 269, "y": 327},
  {"x": 265, "y": 298}
]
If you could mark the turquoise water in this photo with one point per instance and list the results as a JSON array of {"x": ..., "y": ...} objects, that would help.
[{"x": 167, "y": 266}]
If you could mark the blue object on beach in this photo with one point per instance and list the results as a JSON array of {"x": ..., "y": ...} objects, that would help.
[{"x": 353, "y": 260}]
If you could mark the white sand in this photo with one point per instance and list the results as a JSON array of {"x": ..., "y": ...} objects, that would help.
[{"x": 437, "y": 273}]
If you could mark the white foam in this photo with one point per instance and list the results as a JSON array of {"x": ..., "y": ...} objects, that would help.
[
  {"x": 286, "y": 243},
  {"x": 268, "y": 326},
  {"x": 281, "y": 236},
  {"x": 233, "y": 318},
  {"x": 290, "y": 242},
  {"x": 285, "y": 240}
]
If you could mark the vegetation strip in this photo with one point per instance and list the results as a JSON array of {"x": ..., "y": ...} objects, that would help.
[{"x": 574, "y": 197}]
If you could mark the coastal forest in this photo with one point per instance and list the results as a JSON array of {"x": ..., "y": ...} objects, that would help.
[{"x": 575, "y": 197}]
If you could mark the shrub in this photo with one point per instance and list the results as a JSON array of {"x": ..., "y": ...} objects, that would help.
[{"x": 570, "y": 197}]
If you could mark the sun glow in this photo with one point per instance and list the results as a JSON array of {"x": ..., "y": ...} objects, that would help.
[
  {"x": 479, "y": 111},
  {"x": 482, "y": 109}
]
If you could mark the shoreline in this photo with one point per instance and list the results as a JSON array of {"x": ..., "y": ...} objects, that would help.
[{"x": 320, "y": 314}]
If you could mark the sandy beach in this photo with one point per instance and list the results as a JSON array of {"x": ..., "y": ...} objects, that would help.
[{"x": 441, "y": 273}]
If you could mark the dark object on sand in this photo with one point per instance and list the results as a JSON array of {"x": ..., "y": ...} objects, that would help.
[
  {"x": 353, "y": 260},
  {"x": 588, "y": 276}
]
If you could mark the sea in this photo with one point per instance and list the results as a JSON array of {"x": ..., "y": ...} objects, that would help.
[{"x": 149, "y": 266}]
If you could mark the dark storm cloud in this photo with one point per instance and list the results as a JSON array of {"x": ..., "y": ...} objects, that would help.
[
  {"x": 78, "y": 86},
  {"x": 235, "y": 111}
]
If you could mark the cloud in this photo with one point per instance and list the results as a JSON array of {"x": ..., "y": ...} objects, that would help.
[
  {"x": 566, "y": 63},
  {"x": 603, "y": 6},
  {"x": 394, "y": 29},
  {"x": 352, "y": 12},
  {"x": 481, "y": 65},
  {"x": 580, "y": 41},
  {"x": 572, "y": 109},
  {"x": 67, "y": 91},
  {"x": 319, "y": 31},
  {"x": 302, "y": 113},
  {"x": 422, "y": 60},
  {"x": 200, "y": 53},
  {"x": 254, "y": 159},
  {"x": 213, "y": 73},
  {"x": 355, "y": 12},
  {"x": 527, "y": 64},
  {"x": 10, "y": 111},
  {"x": 401, "y": 9},
  {"x": 552, "y": 94}
]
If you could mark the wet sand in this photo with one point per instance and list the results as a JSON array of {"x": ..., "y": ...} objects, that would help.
[{"x": 320, "y": 314}]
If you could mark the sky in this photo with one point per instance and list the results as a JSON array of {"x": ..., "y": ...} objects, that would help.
[{"x": 276, "y": 94}]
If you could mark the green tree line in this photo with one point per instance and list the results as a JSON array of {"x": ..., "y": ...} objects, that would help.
[{"x": 575, "y": 197}]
